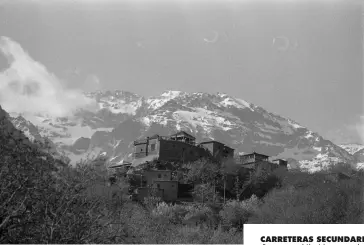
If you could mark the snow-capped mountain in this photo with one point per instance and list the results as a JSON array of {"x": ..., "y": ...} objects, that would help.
[
  {"x": 352, "y": 148},
  {"x": 28, "y": 128},
  {"x": 16, "y": 139},
  {"x": 123, "y": 117},
  {"x": 32, "y": 133},
  {"x": 359, "y": 157}
]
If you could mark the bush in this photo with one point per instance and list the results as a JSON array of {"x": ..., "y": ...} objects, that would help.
[
  {"x": 173, "y": 213},
  {"x": 192, "y": 214},
  {"x": 236, "y": 213},
  {"x": 151, "y": 201},
  {"x": 308, "y": 198},
  {"x": 264, "y": 180},
  {"x": 204, "y": 235},
  {"x": 206, "y": 193},
  {"x": 48, "y": 210},
  {"x": 42, "y": 202},
  {"x": 232, "y": 236}
]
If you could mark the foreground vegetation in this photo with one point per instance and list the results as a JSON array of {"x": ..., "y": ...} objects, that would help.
[{"x": 41, "y": 203}]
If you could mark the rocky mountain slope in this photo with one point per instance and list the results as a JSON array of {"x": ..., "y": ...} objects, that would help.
[
  {"x": 352, "y": 148},
  {"x": 123, "y": 117},
  {"x": 42, "y": 142},
  {"x": 13, "y": 142},
  {"x": 9, "y": 134}
]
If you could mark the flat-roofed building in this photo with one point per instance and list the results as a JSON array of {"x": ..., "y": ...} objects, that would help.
[
  {"x": 252, "y": 157},
  {"x": 217, "y": 149}
]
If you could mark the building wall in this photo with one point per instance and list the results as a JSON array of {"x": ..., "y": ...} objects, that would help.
[
  {"x": 270, "y": 166},
  {"x": 261, "y": 163},
  {"x": 281, "y": 163},
  {"x": 155, "y": 175},
  {"x": 218, "y": 150},
  {"x": 182, "y": 134},
  {"x": 261, "y": 158},
  {"x": 228, "y": 152},
  {"x": 140, "y": 150},
  {"x": 247, "y": 159},
  {"x": 171, "y": 150},
  {"x": 170, "y": 189},
  {"x": 150, "y": 147},
  {"x": 209, "y": 146},
  {"x": 146, "y": 192},
  {"x": 252, "y": 158},
  {"x": 153, "y": 147}
]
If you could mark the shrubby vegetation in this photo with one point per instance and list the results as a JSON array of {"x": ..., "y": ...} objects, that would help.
[
  {"x": 45, "y": 202},
  {"x": 313, "y": 198}
]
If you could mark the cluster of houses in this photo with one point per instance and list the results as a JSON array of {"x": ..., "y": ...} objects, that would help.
[{"x": 180, "y": 147}]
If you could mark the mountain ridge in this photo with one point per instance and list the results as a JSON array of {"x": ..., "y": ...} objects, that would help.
[
  {"x": 124, "y": 116},
  {"x": 352, "y": 148}
]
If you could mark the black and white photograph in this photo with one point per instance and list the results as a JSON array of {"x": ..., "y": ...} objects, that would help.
[{"x": 181, "y": 121}]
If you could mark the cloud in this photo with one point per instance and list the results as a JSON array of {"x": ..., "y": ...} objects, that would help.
[
  {"x": 360, "y": 129},
  {"x": 349, "y": 133},
  {"x": 27, "y": 87},
  {"x": 92, "y": 83}
]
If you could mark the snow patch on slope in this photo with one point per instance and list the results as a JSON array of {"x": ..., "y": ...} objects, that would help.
[
  {"x": 352, "y": 148},
  {"x": 156, "y": 102},
  {"x": 319, "y": 162},
  {"x": 309, "y": 135},
  {"x": 202, "y": 117},
  {"x": 65, "y": 133},
  {"x": 294, "y": 124},
  {"x": 120, "y": 106},
  {"x": 238, "y": 103}
]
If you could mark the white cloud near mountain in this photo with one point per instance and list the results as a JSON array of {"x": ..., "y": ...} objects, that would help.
[
  {"x": 349, "y": 133},
  {"x": 27, "y": 86},
  {"x": 360, "y": 129},
  {"x": 92, "y": 83}
]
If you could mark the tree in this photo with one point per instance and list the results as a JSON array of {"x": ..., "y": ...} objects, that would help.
[
  {"x": 207, "y": 178},
  {"x": 263, "y": 179},
  {"x": 206, "y": 193},
  {"x": 202, "y": 172}
]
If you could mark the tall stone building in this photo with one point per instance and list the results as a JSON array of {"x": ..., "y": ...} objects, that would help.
[{"x": 179, "y": 147}]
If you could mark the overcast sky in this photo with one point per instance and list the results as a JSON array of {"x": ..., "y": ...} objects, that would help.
[{"x": 302, "y": 61}]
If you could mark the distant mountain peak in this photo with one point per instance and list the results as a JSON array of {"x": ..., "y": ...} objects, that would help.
[{"x": 171, "y": 93}]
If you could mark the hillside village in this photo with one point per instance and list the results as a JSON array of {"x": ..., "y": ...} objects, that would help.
[
  {"x": 182, "y": 148},
  {"x": 175, "y": 122},
  {"x": 162, "y": 194}
]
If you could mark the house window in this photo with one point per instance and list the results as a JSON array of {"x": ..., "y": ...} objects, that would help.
[
  {"x": 159, "y": 176},
  {"x": 158, "y": 186},
  {"x": 152, "y": 147}
]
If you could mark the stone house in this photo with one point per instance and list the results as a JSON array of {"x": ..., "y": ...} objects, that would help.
[
  {"x": 169, "y": 187},
  {"x": 179, "y": 147},
  {"x": 144, "y": 192},
  {"x": 159, "y": 181},
  {"x": 150, "y": 176},
  {"x": 247, "y": 159},
  {"x": 218, "y": 150}
]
